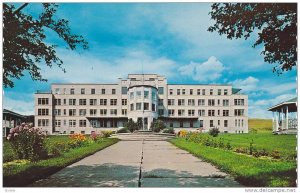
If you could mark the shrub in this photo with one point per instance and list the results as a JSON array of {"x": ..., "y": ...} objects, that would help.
[
  {"x": 168, "y": 130},
  {"x": 95, "y": 137},
  {"x": 107, "y": 133},
  {"x": 241, "y": 150},
  {"x": 214, "y": 132},
  {"x": 182, "y": 133},
  {"x": 157, "y": 125},
  {"x": 77, "y": 140},
  {"x": 28, "y": 142},
  {"x": 131, "y": 125},
  {"x": 123, "y": 130},
  {"x": 252, "y": 130},
  {"x": 275, "y": 154}
]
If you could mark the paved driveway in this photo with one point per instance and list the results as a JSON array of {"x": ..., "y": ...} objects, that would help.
[{"x": 139, "y": 160}]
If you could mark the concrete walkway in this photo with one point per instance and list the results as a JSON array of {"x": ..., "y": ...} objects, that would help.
[{"x": 139, "y": 160}]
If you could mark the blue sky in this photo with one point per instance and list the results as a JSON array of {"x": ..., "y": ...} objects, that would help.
[{"x": 170, "y": 39}]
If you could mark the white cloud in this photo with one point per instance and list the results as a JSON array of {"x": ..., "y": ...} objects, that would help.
[
  {"x": 275, "y": 88},
  {"x": 19, "y": 106},
  {"x": 209, "y": 70},
  {"x": 247, "y": 85},
  {"x": 89, "y": 68}
]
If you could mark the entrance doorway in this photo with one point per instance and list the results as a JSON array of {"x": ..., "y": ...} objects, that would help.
[{"x": 142, "y": 125}]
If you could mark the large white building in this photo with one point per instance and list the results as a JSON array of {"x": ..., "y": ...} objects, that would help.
[{"x": 83, "y": 108}]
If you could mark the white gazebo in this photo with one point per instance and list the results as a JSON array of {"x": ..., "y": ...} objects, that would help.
[{"x": 285, "y": 117}]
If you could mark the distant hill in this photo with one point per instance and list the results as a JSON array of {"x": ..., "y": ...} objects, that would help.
[{"x": 260, "y": 124}]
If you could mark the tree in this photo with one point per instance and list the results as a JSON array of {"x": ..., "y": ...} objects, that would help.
[
  {"x": 131, "y": 125},
  {"x": 24, "y": 44},
  {"x": 276, "y": 23},
  {"x": 157, "y": 125}
]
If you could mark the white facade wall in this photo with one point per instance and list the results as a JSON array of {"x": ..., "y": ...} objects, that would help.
[{"x": 141, "y": 83}]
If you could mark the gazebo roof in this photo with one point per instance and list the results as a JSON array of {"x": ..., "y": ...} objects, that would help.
[{"x": 291, "y": 104}]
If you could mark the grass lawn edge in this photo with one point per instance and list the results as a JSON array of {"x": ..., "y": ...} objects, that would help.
[{"x": 44, "y": 168}]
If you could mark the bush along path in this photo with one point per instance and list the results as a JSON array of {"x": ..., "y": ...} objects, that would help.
[
  {"x": 246, "y": 169},
  {"x": 35, "y": 163}
]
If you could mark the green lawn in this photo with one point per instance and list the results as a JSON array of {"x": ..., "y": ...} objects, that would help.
[
  {"x": 249, "y": 171},
  {"x": 285, "y": 144},
  {"x": 24, "y": 173}
]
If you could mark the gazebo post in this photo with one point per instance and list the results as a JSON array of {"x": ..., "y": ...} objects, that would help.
[
  {"x": 287, "y": 117},
  {"x": 274, "y": 126},
  {"x": 277, "y": 120},
  {"x": 282, "y": 125}
]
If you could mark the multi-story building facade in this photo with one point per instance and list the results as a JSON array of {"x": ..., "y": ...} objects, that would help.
[{"x": 84, "y": 108}]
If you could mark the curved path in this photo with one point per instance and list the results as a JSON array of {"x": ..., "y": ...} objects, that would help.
[{"x": 139, "y": 160}]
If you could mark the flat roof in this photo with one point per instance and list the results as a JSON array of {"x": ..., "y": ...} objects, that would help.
[
  {"x": 83, "y": 84},
  {"x": 192, "y": 84}
]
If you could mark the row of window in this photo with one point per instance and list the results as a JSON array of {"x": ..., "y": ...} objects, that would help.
[
  {"x": 91, "y": 91},
  {"x": 83, "y": 123},
  {"x": 91, "y": 102},
  {"x": 191, "y": 102},
  {"x": 92, "y": 112},
  {"x": 201, "y": 112},
  {"x": 198, "y": 92}
]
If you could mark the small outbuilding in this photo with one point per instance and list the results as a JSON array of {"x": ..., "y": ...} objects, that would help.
[{"x": 285, "y": 117}]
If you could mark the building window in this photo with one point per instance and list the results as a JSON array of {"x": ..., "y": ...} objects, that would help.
[
  {"x": 160, "y": 90},
  {"x": 103, "y": 112},
  {"x": 43, "y": 122},
  {"x": 131, "y": 95},
  {"x": 191, "y": 124},
  {"x": 178, "y": 91},
  {"x": 93, "y": 112},
  {"x": 191, "y": 102},
  {"x": 201, "y": 102},
  {"x": 160, "y": 112},
  {"x": 102, "y": 91},
  {"x": 191, "y": 112},
  {"x": 181, "y": 124},
  {"x": 146, "y": 106},
  {"x": 82, "y": 101},
  {"x": 94, "y": 123},
  {"x": 183, "y": 91},
  {"x": 191, "y": 91},
  {"x": 57, "y": 101},
  {"x": 93, "y": 91},
  {"x": 132, "y": 107},
  {"x": 218, "y": 112},
  {"x": 203, "y": 91},
  {"x": 198, "y": 91},
  {"x": 124, "y": 112},
  {"x": 43, "y": 111},
  {"x": 65, "y": 101},
  {"x": 242, "y": 122},
  {"x": 82, "y": 132},
  {"x": 43, "y": 101},
  {"x": 113, "y": 123},
  {"x": 56, "y": 91},
  {"x": 82, "y": 123},
  {"x": 57, "y": 112},
  {"x": 170, "y": 91},
  {"x": 171, "y": 125},
  {"x": 180, "y": 112},
  {"x": 72, "y": 112},
  {"x": 82, "y": 91},
  {"x": 72, "y": 91},
  {"x": 238, "y": 112},
  {"x": 201, "y": 113},
  {"x": 218, "y": 122},
  {"x": 218, "y": 102},
  {"x": 65, "y": 122},
  {"x": 93, "y": 102},
  {"x": 72, "y": 101},
  {"x": 225, "y": 123},
  {"x": 113, "y": 111},
  {"x": 138, "y": 94},
  {"x": 72, "y": 123},
  {"x": 211, "y": 123},
  {"x": 57, "y": 123},
  {"x": 219, "y": 91},
  {"x": 153, "y": 107},
  {"x": 82, "y": 112},
  {"x": 225, "y": 102},
  {"x": 180, "y": 102},
  {"x": 113, "y": 102},
  {"x": 65, "y": 111},
  {"x": 146, "y": 94},
  {"x": 124, "y": 101},
  {"x": 171, "y": 102},
  {"x": 225, "y": 92},
  {"x": 138, "y": 106},
  {"x": 201, "y": 123},
  {"x": 239, "y": 102},
  {"x": 124, "y": 90},
  {"x": 211, "y": 113},
  {"x": 211, "y": 102},
  {"x": 225, "y": 113},
  {"x": 160, "y": 102},
  {"x": 113, "y": 91},
  {"x": 153, "y": 95},
  {"x": 103, "y": 102},
  {"x": 171, "y": 112},
  {"x": 235, "y": 123}
]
